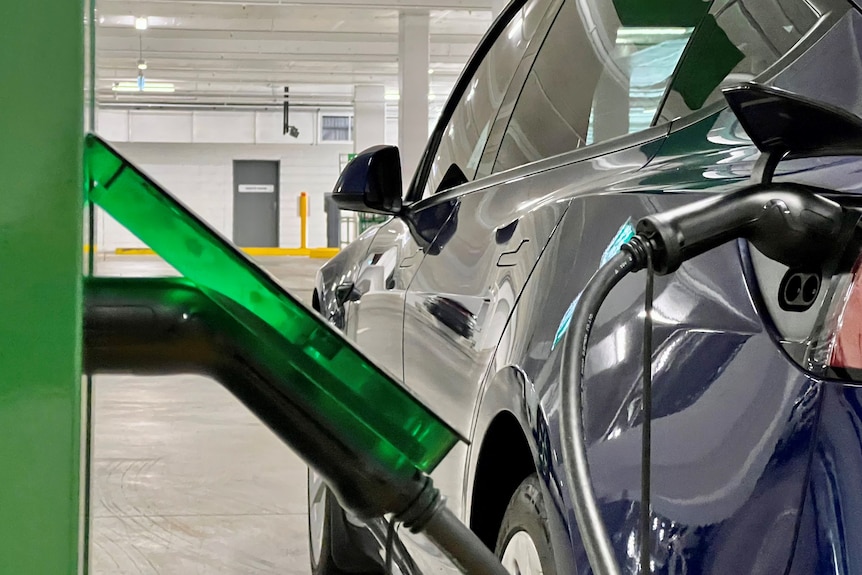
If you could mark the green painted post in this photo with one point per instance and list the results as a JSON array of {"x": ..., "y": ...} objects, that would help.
[{"x": 41, "y": 115}]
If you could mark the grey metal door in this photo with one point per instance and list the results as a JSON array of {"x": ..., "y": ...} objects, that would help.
[{"x": 255, "y": 203}]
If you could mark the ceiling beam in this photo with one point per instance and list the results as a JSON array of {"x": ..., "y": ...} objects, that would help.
[
  {"x": 283, "y": 50},
  {"x": 131, "y": 55},
  {"x": 305, "y": 37},
  {"x": 201, "y": 82},
  {"x": 222, "y": 50},
  {"x": 140, "y": 7},
  {"x": 218, "y": 65},
  {"x": 451, "y": 23},
  {"x": 253, "y": 71}
]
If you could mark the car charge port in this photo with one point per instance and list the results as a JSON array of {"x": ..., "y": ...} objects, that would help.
[{"x": 799, "y": 290}]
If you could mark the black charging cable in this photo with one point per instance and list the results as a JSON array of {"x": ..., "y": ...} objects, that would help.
[
  {"x": 594, "y": 536},
  {"x": 789, "y": 223},
  {"x": 646, "y": 430},
  {"x": 390, "y": 546},
  {"x": 634, "y": 256}
]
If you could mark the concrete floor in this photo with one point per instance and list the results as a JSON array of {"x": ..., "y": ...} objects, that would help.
[{"x": 184, "y": 479}]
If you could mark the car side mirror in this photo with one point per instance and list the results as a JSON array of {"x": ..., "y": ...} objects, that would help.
[{"x": 371, "y": 182}]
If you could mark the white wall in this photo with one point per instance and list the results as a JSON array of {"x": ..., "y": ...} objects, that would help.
[
  {"x": 391, "y": 138},
  {"x": 192, "y": 154},
  {"x": 205, "y": 127}
]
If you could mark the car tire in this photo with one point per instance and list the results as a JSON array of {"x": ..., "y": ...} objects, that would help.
[
  {"x": 331, "y": 549},
  {"x": 523, "y": 544}
]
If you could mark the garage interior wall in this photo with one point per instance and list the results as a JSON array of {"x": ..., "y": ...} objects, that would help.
[{"x": 191, "y": 153}]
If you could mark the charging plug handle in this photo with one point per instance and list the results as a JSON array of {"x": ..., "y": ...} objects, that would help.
[
  {"x": 789, "y": 223},
  {"x": 162, "y": 326}
]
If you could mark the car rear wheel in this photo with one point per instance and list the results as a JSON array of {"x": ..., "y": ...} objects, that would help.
[
  {"x": 523, "y": 544},
  {"x": 331, "y": 548}
]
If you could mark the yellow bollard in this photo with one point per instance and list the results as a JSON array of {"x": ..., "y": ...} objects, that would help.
[{"x": 303, "y": 221}]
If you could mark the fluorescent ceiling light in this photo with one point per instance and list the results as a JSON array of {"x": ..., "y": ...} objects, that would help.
[
  {"x": 142, "y": 23},
  {"x": 163, "y": 87},
  {"x": 651, "y": 31},
  {"x": 395, "y": 96}
]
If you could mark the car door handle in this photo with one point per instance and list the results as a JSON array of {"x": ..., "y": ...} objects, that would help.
[
  {"x": 510, "y": 258},
  {"x": 411, "y": 259},
  {"x": 346, "y": 292}
]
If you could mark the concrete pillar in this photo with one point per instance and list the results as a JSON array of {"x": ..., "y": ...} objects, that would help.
[
  {"x": 413, "y": 60},
  {"x": 369, "y": 116}
]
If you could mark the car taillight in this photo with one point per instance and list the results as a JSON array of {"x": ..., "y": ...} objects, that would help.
[
  {"x": 835, "y": 348},
  {"x": 846, "y": 345}
]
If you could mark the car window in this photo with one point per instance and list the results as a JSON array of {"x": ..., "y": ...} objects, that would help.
[
  {"x": 601, "y": 73},
  {"x": 738, "y": 40},
  {"x": 466, "y": 132}
]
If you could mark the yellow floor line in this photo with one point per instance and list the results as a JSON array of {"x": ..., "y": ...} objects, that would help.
[
  {"x": 276, "y": 251},
  {"x": 134, "y": 252},
  {"x": 321, "y": 253}
]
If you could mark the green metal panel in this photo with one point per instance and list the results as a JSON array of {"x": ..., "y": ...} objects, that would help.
[
  {"x": 349, "y": 393},
  {"x": 41, "y": 114}
]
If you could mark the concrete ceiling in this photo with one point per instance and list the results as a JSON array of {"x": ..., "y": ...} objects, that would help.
[{"x": 231, "y": 53}]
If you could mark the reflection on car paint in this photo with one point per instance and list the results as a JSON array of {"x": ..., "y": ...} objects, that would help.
[{"x": 756, "y": 467}]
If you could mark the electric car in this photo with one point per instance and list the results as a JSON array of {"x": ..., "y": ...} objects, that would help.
[{"x": 573, "y": 120}]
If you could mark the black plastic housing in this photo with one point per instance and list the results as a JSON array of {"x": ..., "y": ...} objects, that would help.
[
  {"x": 789, "y": 223},
  {"x": 371, "y": 182},
  {"x": 780, "y": 122}
]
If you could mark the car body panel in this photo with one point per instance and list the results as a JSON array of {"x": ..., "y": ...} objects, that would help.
[
  {"x": 756, "y": 465},
  {"x": 830, "y": 535},
  {"x": 341, "y": 269},
  {"x": 700, "y": 319},
  {"x": 734, "y": 419},
  {"x": 497, "y": 236},
  {"x": 710, "y": 450},
  {"x": 374, "y": 315}
]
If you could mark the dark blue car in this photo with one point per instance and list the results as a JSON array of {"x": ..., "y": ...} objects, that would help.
[{"x": 574, "y": 120}]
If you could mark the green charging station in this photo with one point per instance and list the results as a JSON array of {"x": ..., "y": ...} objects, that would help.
[{"x": 41, "y": 393}]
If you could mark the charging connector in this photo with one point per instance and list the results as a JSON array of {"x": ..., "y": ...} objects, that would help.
[{"x": 790, "y": 223}]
